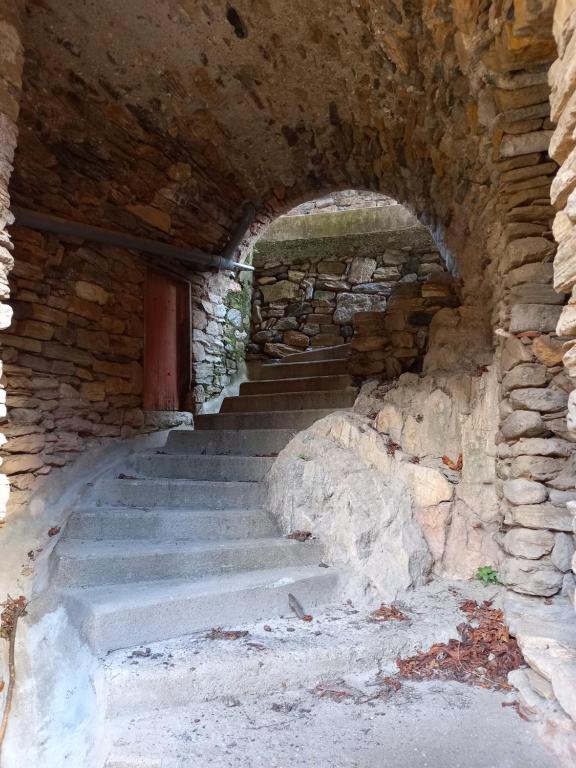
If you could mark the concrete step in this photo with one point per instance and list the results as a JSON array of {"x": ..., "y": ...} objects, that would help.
[
  {"x": 169, "y": 523},
  {"x": 338, "y": 641},
  {"x": 240, "y": 468},
  {"x": 297, "y": 370},
  {"x": 340, "y": 351},
  {"x": 85, "y": 563},
  {"x": 228, "y": 442},
  {"x": 192, "y": 494},
  {"x": 295, "y": 420},
  {"x": 122, "y": 616},
  {"x": 290, "y": 401},
  {"x": 310, "y": 384}
]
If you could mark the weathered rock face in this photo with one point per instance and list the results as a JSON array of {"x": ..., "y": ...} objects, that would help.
[
  {"x": 325, "y": 482},
  {"x": 342, "y": 479}
]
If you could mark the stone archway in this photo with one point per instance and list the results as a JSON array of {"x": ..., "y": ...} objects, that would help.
[{"x": 163, "y": 120}]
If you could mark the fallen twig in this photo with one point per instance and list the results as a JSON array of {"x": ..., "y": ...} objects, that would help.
[
  {"x": 297, "y": 608},
  {"x": 14, "y": 609}
]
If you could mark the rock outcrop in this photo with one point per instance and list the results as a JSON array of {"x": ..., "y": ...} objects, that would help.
[{"x": 401, "y": 488}]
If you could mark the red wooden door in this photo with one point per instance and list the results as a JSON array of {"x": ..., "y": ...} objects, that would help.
[{"x": 166, "y": 347}]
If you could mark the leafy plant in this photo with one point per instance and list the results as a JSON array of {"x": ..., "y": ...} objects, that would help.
[{"x": 487, "y": 575}]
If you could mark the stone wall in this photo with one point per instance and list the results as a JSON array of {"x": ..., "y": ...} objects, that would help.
[
  {"x": 562, "y": 79},
  {"x": 395, "y": 340},
  {"x": 11, "y": 58},
  {"x": 308, "y": 288},
  {"x": 221, "y": 326},
  {"x": 73, "y": 355}
]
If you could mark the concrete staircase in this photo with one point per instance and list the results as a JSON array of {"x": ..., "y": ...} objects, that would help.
[{"x": 179, "y": 541}]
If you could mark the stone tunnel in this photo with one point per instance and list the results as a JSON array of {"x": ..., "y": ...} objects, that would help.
[{"x": 170, "y": 178}]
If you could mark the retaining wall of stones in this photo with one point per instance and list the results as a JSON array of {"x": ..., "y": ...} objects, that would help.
[
  {"x": 395, "y": 340},
  {"x": 220, "y": 331},
  {"x": 308, "y": 291}
]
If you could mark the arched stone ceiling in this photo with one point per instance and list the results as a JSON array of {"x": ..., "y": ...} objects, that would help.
[{"x": 192, "y": 107}]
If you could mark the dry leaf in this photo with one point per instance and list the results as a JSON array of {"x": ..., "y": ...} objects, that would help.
[
  {"x": 387, "y": 613},
  {"x": 455, "y": 465},
  {"x": 483, "y": 656}
]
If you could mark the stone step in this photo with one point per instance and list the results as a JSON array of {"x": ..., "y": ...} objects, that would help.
[
  {"x": 228, "y": 442},
  {"x": 122, "y": 616},
  {"x": 296, "y": 370},
  {"x": 169, "y": 523},
  {"x": 340, "y": 351},
  {"x": 297, "y": 654},
  {"x": 310, "y": 384},
  {"x": 290, "y": 401},
  {"x": 295, "y": 420},
  {"x": 85, "y": 563},
  {"x": 216, "y": 468},
  {"x": 193, "y": 494}
]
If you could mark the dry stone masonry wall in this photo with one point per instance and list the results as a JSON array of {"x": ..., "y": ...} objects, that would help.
[
  {"x": 221, "y": 327},
  {"x": 73, "y": 355},
  {"x": 308, "y": 289},
  {"x": 11, "y": 58},
  {"x": 395, "y": 340},
  {"x": 562, "y": 79}
]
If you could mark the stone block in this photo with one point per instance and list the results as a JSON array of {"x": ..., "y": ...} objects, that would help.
[
  {"x": 547, "y": 350},
  {"x": 522, "y": 424},
  {"x": 525, "y": 143},
  {"x": 348, "y": 304},
  {"x": 522, "y": 492},
  {"x": 543, "y": 400},
  {"x": 91, "y": 292},
  {"x": 524, "y": 375},
  {"x": 296, "y": 339},
  {"x": 563, "y": 551},
  {"x": 286, "y": 324},
  {"x": 279, "y": 350},
  {"x": 95, "y": 341},
  {"x": 361, "y": 270},
  {"x": 525, "y": 250},
  {"x": 153, "y": 217},
  {"x": 531, "y": 577},
  {"x": 535, "y": 293},
  {"x": 539, "y": 273},
  {"x": 528, "y": 543},
  {"x": 567, "y": 321},
  {"x": 540, "y": 468},
  {"x": 534, "y": 317},
  {"x": 541, "y": 516},
  {"x": 284, "y": 290},
  {"x": 565, "y": 265},
  {"x": 513, "y": 353}
]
